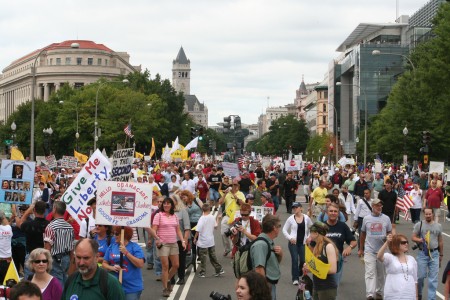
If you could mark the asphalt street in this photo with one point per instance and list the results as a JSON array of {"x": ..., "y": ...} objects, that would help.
[{"x": 352, "y": 285}]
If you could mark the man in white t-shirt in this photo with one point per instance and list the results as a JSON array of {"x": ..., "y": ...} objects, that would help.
[
  {"x": 204, "y": 239},
  {"x": 90, "y": 232}
]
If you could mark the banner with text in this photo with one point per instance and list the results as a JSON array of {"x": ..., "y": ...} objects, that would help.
[
  {"x": 51, "y": 162},
  {"x": 292, "y": 165},
  {"x": 230, "y": 169},
  {"x": 122, "y": 161},
  {"x": 124, "y": 204},
  {"x": 257, "y": 212},
  {"x": 84, "y": 186},
  {"x": 17, "y": 181},
  {"x": 70, "y": 162}
]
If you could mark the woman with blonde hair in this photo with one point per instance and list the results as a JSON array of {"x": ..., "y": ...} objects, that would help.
[
  {"x": 40, "y": 263},
  {"x": 401, "y": 269},
  {"x": 325, "y": 250}
]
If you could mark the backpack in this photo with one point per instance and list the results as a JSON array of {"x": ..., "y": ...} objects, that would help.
[
  {"x": 242, "y": 260},
  {"x": 103, "y": 281}
]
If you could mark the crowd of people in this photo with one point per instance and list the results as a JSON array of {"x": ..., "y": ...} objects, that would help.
[{"x": 347, "y": 207}]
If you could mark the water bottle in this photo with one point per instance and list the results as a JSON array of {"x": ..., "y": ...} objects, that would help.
[{"x": 307, "y": 295}]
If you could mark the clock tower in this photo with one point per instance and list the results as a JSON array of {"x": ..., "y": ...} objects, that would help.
[{"x": 181, "y": 73}]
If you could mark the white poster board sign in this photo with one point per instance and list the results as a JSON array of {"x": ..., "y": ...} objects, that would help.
[
  {"x": 122, "y": 161},
  {"x": 292, "y": 165},
  {"x": 378, "y": 167},
  {"x": 84, "y": 186},
  {"x": 437, "y": 166},
  {"x": 258, "y": 212},
  {"x": 124, "y": 204},
  {"x": 230, "y": 169},
  {"x": 51, "y": 162},
  {"x": 17, "y": 178},
  {"x": 265, "y": 162},
  {"x": 70, "y": 162}
]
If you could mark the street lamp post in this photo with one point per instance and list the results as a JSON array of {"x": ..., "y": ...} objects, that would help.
[
  {"x": 378, "y": 52},
  {"x": 47, "y": 142},
  {"x": 365, "y": 117},
  {"x": 405, "y": 156},
  {"x": 96, "y": 108},
  {"x": 13, "y": 135}
]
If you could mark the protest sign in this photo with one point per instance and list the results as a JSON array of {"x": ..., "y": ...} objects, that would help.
[
  {"x": 70, "y": 162},
  {"x": 17, "y": 178},
  {"x": 51, "y": 162},
  {"x": 96, "y": 169},
  {"x": 230, "y": 169},
  {"x": 437, "y": 167},
  {"x": 378, "y": 168},
  {"x": 124, "y": 204},
  {"x": 121, "y": 164},
  {"x": 292, "y": 165},
  {"x": 257, "y": 212}
]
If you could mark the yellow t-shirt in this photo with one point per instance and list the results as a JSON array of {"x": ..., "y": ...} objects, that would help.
[{"x": 319, "y": 195}]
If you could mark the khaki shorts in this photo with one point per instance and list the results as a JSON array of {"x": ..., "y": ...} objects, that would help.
[
  {"x": 437, "y": 212},
  {"x": 318, "y": 208},
  {"x": 168, "y": 249}
]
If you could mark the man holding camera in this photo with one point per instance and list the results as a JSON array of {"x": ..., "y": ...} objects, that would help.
[
  {"x": 428, "y": 235},
  {"x": 245, "y": 229}
]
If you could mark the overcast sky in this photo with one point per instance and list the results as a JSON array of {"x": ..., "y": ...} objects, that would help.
[{"x": 241, "y": 51}]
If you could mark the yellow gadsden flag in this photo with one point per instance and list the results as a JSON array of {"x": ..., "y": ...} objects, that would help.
[
  {"x": 152, "y": 151},
  {"x": 81, "y": 157},
  {"x": 11, "y": 273},
  {"x": 315, "y": 265},
  {"x": 138, "y": 155},
  {"x": 16, "y": 154}
]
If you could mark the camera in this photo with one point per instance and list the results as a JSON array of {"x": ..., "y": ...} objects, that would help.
[
  {"x": 218, "y": 296},
  {"x": 417, "y": 246},
  {"x": 229, "y": 232}
]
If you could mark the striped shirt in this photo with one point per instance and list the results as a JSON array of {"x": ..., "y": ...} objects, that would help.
[
  {"x": 167, "y": 227},
  {"x": 59, "y": 234}
]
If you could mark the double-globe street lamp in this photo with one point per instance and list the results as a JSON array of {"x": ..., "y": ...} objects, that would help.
[
  {"x": 365, "y": 115},
  {"x": 47, "y": 140},
  {"x": 96, "y": 108}
]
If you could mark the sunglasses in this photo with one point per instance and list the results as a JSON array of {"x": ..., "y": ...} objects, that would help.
[
  {"x": 38, "y": 261},
  {"x": 245, "y": 215},
  {"x": 404, "y": 242}
]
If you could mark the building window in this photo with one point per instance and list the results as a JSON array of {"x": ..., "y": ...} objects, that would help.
[
  {"x": 99, "y": 61},
  {"x": 324, "y": 108},
  {"x": 51, "y": 61},
  {"x": 106, "y": 62},
  {"x": 78, "y": 85},
  {"x": 326, "y": 94},
  {"x": 79, "y": 61},
  {"x": 324, "y": 120},
  {"x": 90, "y": 61},
  {"x": 58, "y": 61},
  {"x": 68, "y": 60}
]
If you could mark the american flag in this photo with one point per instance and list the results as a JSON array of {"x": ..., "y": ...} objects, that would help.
[
  {"x": 127, "y": 130},
  {"x": 241, "y": 161},
  {"x": 405, "y": 203}
]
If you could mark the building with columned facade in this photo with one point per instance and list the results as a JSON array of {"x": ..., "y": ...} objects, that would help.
[{"x": 74, "y": 62}]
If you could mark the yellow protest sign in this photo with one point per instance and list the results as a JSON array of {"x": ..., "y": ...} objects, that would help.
[{"x": 315, "y": 265}]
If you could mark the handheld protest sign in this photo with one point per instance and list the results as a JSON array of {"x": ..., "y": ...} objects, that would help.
[
  {"x": 17, "y": 178},
  {"x": 124, "y": 203}
]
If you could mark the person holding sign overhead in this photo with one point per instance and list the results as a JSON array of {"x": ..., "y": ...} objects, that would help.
[
  {"x": 133, "y": 261},
  {"x": 325, "y": 254}
]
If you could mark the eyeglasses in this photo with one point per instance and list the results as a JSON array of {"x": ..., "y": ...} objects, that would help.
[
  {"x": 404, "y": 242},
  {"x": 38, "y": 261}
]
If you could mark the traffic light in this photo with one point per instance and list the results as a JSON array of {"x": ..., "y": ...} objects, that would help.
[
  {"x": 193, "y": 133},
  {"x": 426, "y": 137},
  {"x": 226, "y": 123},
  {"x": 237, "y": 123},
  {"x": 200, "y": 132}
]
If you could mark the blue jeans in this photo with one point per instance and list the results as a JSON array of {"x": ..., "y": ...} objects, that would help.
[
  {"x": 133, "y": 296},
  {"x": 274, "y": 291},
  {"x": 60, "y": 268},
  {"x": 276, "y": 202},
  {"x": 149, "y": 249},
  {"x": 156, "y": 262},
  {"x": 26, "y": 271},
  {"x": 297, "y": 252},
  {"x": 214, "y": 195},
  {"x": 427, "y": 266}
]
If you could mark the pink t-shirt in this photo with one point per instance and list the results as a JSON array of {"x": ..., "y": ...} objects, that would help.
[{"x": 167, "y": 227}]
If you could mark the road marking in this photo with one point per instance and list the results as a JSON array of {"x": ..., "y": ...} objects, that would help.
[{"x": 439, "y": 295}]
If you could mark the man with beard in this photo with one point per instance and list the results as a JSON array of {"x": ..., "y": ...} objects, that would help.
[{"x": 90, "y": 281}]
